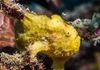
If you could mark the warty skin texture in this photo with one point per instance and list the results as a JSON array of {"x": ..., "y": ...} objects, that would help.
[{"x": 48, "y": 35}]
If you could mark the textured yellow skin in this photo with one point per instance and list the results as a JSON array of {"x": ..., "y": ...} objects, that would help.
[
  {"x": 51, "y": 36},
  {"x": 56, "y": 38}
]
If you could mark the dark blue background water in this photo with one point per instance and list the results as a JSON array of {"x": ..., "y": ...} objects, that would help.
[{"x": 67, "y": 4}]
